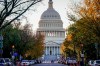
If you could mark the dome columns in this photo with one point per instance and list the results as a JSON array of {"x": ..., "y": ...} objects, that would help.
[{"x": 54, "y": 34}]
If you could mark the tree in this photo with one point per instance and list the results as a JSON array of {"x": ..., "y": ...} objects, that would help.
[
  {"x": 38, "y": 49},
  {"x": 90, "y": 9},
  {"x": 11, "y": 10},
  {"x": 86, "y": 30},
  {"x": 24, "y": 41},
  {"x": 11, "y": 37},
  {"x": 90, "y": 13},
  {"x": 31, "y": 45}
]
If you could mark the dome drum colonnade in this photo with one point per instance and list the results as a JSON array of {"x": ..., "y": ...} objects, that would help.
[{"x": 51, "y": 26}]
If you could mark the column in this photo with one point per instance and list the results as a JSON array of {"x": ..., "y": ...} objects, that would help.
[
  {"x": 49, "y": 50},
  {"x": 46, "y": 32},
  {"x": 54, "y": 50},
  {"x": 46, "y": 50},
  {"x": 64, "y": 33},
  {"x": 56, "y": 34},
  {"x": 61, "y": 34},
  {"x": 57, "y": 50}
]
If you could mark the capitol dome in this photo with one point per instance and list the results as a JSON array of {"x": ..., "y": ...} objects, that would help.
[
  {"x": 50, "y": 13},
  {"x": 50, "y": 19}
]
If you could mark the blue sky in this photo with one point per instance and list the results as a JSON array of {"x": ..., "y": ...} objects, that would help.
[{"x": 61, "y": 6}]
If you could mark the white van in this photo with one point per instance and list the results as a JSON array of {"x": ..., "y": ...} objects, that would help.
[{"x": 96, "y": 63}]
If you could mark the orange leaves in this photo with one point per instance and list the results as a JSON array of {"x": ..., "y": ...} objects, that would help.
[
  {"x": 87, "y": 2},
  {"x": 69, "y": 37},
  {"x": 91, "y": 9}
]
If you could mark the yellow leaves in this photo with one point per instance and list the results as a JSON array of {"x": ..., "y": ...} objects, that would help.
[
  {"x": 87, "y": 2},
  {"x": 62, "y": 48},
  {"x": 69, "y": 37},
  {"x": 91, "y": 9}
]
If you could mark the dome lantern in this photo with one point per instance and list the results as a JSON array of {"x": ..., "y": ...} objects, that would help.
[{"x": 50, "y": 3}]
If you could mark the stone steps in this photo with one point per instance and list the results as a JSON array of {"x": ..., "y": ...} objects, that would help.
[{"x": 50, "y": 57}]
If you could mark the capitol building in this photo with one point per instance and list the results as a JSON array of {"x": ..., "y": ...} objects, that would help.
[{"x": 51, "y": 26}]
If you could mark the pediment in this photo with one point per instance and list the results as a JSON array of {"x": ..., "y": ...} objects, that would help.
[{"x": 52, "y": 43}]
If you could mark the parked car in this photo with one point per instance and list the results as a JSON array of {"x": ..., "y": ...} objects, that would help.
[
  {"x": 90, "y": 63},
  {"x": 8, "y": 61},
  {"x": 32, "y": 62},
  {"x": 37, "y": 61},
  {"x": 25, "y": 63},
  {"x": 71, "y": 61},
  {"x": 96, "y": 63},
  {"x": 2, "y": 62}
]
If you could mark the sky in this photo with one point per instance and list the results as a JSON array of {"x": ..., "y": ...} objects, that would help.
[{"x": 61, "y": 6}]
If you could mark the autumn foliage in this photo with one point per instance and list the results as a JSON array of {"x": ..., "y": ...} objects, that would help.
[{"x": 86, "y": 30}]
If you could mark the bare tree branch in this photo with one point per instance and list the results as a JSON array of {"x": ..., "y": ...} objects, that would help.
[
  {"x": 19, "y": 14},
  {"x": 11, "y": 7}
]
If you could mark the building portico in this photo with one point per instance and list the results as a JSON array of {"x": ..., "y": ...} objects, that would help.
[{"x": 52, "y": 49}]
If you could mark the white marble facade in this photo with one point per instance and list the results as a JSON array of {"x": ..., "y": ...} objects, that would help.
[{"x": 51, "y": 26}]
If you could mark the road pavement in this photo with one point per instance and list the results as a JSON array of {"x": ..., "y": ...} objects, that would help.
[{"x": 49, "y": 64}]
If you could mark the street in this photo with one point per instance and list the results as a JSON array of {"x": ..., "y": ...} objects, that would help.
[{"x": 49, "y": 64}]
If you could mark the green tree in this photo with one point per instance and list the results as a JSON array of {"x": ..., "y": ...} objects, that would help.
[
  {"x": 23, "y": 41},
  {"x": 11, "y": 37}
]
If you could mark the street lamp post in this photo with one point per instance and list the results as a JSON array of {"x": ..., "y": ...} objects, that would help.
[
  {"x": 1, "y": 45},
  {"x": 96, "y": 46},
  {"x": 82, "y": 55},
  {"x": 74, "y": 51},
  {"x": 13, "y": 57}
]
